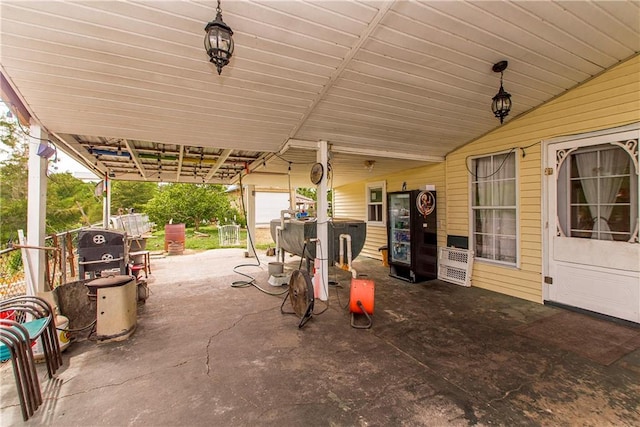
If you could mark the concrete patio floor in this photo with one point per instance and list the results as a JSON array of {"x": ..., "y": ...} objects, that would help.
[{"x": 208, "y": 354}]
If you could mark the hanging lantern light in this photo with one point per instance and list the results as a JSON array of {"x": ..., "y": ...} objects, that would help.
[
  {"x": 218, "y": 41},
  {"x": 501, "y": 104}
]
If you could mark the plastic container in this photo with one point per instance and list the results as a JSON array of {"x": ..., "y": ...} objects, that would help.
[
  {"x": 385, "y": 255},
  {"x": 62, "y": 331},
  {"x": 275, "y": 268}
]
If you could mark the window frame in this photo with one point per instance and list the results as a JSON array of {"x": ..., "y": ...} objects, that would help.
[
  {"x": 564, "y": 173},
  {"x": 472, "y": 209},
  {"x": 383, "y": 203}
]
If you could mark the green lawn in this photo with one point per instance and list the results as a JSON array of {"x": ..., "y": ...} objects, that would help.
[{"x": 211, "y": 241}]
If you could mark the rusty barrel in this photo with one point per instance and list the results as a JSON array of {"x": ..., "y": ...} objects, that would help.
[{"x": 174, "y": 233}]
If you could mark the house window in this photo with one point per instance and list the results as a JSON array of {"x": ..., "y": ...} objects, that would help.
[
  {"x": 376, "y": 202},
  {"x": 494, "y": 211},
  {"x": 598, "y": 193}
]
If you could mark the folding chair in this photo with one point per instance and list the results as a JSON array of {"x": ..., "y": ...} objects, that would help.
[
  {"x": 16, "y": 345},
  {"x": 37, "y": 317}
]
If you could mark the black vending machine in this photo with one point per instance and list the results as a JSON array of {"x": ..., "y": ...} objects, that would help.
[{"x": 412, "y": 235}]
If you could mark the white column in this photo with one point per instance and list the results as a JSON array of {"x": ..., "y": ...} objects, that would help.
[
  {"x": 322, "y": 245},
  {"x": 106, "y": 202},
  {"x": 292, "y": 198},
  {"x": 37, "y": 207},
  {"x": 250, "y": 206}
]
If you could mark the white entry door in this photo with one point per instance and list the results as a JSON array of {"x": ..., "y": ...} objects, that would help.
[{"x": 592, "y": 254}]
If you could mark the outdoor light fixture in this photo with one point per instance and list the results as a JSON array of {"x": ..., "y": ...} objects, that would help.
[
  {"x": 501, "y": 104},
  {"x": 45, "y": 150},
  {"x": 218, "y": 41}
]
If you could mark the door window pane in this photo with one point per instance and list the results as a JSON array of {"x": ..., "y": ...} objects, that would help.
[
  {"x": 603, "y": 194},
  {"x": 619, "y": 219},
  {"x": 577, "y": 193}
]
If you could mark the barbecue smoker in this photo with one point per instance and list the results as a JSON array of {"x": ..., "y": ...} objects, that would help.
[
  {"x": 103, "y": 255},
  {"x": 101, "y": 250}
]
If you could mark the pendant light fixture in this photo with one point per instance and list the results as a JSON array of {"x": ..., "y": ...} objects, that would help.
[
  {"x": 218, "y": 41},
  {"x": 501, "y": 104}
]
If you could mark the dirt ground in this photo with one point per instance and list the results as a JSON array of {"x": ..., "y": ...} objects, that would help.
[{"x": 263, "y": 237}]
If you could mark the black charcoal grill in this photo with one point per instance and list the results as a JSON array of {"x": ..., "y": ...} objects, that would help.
[{"x": 100, "y": 250}]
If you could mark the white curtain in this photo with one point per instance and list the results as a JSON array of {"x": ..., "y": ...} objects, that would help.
[
  {"x": 612, "y": 162},
  {"x": 505, "y": 219},
  {"x": 587, "y": 164},
  {"x": 496, "y": 187},
  {"x": 483, "y": 187}
]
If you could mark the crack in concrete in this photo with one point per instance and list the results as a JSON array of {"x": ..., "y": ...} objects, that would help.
[
  {"x": 184, "y": 362},
  {"x": 104, "y": 386},
  {"x": 508, "y": 392},
  {"x": 10, "y": 406},
  {"x": 212, "y": 337},
  {"x": 543, "y": 374}
]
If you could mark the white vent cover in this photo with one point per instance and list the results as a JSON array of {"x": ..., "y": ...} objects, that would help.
[{"x": 455, "y": 265}]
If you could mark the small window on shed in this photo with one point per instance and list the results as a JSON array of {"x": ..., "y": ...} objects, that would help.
[{"x": 376, "y": 203}]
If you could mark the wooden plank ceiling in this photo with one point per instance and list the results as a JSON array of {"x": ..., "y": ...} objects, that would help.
[{"x": 127, "y": 88}]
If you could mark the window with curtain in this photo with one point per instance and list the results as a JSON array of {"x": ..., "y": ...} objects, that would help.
[
  {"x": 494, "y": 208},
  {"x": 376, "y": 201},
  {"x": 598, "y": 194}
]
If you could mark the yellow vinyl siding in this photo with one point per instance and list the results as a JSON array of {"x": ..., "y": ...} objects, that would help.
[
  {"x": 606, "y": 101},
  {"x": 375, "y": 235},
  {"x": 348, "y": 201}
]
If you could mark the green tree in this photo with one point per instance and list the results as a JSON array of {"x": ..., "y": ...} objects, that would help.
[
  {"x": 313, "y": 194},
  {"x": 8, "y": 133},
  {"x": 67, "y": 197},
  {"x": 188, "y": 203},
  {"x": 134, "y": 195},
  {"x": 70, "y": 203},
  {"x": 13, "y": 181},
  {"x": 307, "y": 192}
]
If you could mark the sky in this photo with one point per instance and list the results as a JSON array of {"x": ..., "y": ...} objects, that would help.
[{"x": 67, "y": 164}]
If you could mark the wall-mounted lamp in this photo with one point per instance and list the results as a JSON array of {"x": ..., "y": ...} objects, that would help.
[
  {"x": 218, "y": 41},
  {"x": 45, "y": 150},
  {"x": 501, "y": 104}
]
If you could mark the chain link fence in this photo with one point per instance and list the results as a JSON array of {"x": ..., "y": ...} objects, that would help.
[
  {"x": 12, "y": 282},
  {"x": 60, "y": 251}
]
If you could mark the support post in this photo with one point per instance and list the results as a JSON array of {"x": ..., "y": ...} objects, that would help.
[
  {"x": 250, "y": 206},
  {"x": 322, "y": 226},
  {"x": 106, "y": 202},
  {"x": 37, "y": 206}
]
